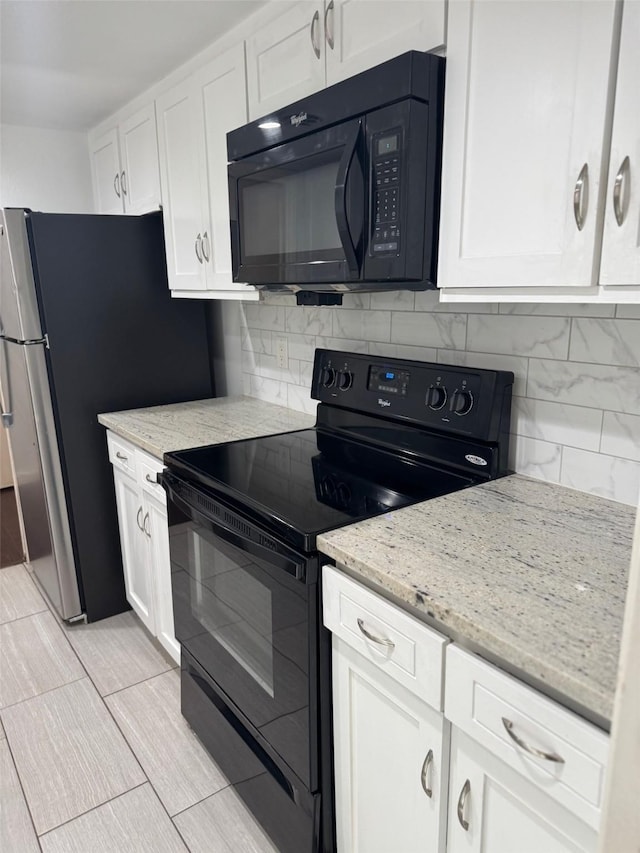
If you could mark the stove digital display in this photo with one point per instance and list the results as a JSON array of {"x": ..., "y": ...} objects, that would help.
[{"x": 381, "y": 378}]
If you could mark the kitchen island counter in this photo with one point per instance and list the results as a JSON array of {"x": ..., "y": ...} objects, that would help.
[
  {"x": 529, "y": 574},
  {"x": 178, "y": 426}
]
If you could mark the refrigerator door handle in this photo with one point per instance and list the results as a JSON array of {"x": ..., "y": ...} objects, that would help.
[
  {"x": 29, "y": 342},
  {"x": 5, "y": 391}
]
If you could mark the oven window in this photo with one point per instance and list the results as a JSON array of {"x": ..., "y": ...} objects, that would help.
[
  {"x": 289, "y": 210},
  {"x": 233, "y": 605}
]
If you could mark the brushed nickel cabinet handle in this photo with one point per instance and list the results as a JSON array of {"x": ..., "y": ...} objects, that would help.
[
  {"x": 462, "y": 801},
  {"x": 548, "y": 756},
  {"x": 150, "y": 479},
  {"x": 121, "y": 456},
  {"x": 199, "y": 247},
  {"x": 205, "y": 251},
  {"x": 314, "y": 33},
  {"x": 116, "y": 184},
  {"x": 144, "y": 525},
  {"x": 329, "y": 34},
  {"x": 618, "y": 185},
  {"x": 581, "y": 197},
  {"x": 424, "y": 775},
  {"x": 382, "y": 641},
  {"x": 138, "y": 514},
  {"x": 123, "y": 183}
]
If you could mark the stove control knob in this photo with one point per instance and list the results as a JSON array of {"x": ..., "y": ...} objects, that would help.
[
  {"x": 345, "y": 380},
  {"x": 328, "y": 376},
  {"x": 461, "y": 402},
  {"x": 436, "y": 397},
  {"x": 344, "y": 494}
]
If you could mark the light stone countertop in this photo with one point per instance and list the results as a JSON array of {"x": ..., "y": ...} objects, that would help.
[
  {"x": 178, "y": 426},
  {"x": 531, "y": 574}
]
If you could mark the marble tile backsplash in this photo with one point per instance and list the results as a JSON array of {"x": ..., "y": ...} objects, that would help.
[{"x": 576, "y": 409}]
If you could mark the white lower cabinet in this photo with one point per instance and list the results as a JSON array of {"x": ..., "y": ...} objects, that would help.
[
  {"x": 501, "y": 769},
  {"x": 492, "y": 809},
  {"x": 390, "y": 744},
  {"x": 144, "y": 539}
]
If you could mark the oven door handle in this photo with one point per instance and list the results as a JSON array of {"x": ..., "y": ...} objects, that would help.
[
  {"x": 288, "y": 562},
  {"x": 350, "y": 242}
]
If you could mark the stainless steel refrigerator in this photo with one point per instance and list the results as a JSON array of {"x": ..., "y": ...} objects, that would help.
[{"x": 87, "y": 325}]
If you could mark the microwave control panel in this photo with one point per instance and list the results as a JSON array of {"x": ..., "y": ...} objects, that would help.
[{"x": 386, "y": 161}]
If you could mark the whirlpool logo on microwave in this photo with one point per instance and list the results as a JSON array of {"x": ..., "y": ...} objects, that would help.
[{"x": 297, "y": 120}]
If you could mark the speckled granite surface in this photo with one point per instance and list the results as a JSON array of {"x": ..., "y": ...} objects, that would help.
[
  {"x": 533, "y": 573},
  {"x": 177, "y": 426}
]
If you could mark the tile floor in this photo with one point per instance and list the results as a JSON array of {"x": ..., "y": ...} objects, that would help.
[{"x": 95, "y": 756}]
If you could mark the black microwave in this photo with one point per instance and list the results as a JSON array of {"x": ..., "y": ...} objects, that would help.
[{"x": 341, "y": 190}]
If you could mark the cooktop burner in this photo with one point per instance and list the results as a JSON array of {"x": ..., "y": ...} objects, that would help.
[{"x": 307, "y": 482}]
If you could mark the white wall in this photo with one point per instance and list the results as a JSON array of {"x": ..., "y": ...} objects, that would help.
[
  {"x": 576, "y": 410},
  {"x": 46, "y": 170}
]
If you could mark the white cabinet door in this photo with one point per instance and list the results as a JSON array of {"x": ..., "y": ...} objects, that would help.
[
  {"x": 105, "y": 170},
  {"x": 391, "y": 750},
  {"x": 525, "y": 118},
  {"x": 621, "y": 245},
  {"x": 134, "y": 547},
  {"x": 140, "y": 177},
  {"x": 364, "y": 33},
  {"x": 181, "y": 179},
  {"x": 221, "y": 88},
  {"x": 285, "y": 59},
  {"x": 492, "y": 809},
  {"x": 157, "y": 531}
]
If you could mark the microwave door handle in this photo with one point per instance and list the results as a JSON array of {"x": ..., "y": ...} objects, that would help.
[{"x": 340, "y": 199}]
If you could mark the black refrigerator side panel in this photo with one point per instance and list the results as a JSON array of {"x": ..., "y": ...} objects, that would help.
[{"x": 117, "y": 341}]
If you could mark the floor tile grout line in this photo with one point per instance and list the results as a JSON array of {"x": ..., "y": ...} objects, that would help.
[
  {"x": 215, "y": 793},
  {"x": 137, "y": 683},
  {"x": 45, "y": 609},
  {"x": 92, "y": 809},
  {"x": 24, "y": 795},
  {"x": 4, "y": 708}
]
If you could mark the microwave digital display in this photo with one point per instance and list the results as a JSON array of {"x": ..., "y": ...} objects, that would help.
[{"x": 387, "y": 144}]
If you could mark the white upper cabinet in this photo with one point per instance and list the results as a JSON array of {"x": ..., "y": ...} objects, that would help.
[
  {"x": 124, "y": 165},
  {"x": 222, "y": 106},
  {"x": 181, "y": 177},
  {"x": 285, "y": 59},
  {"x": 525, "y": 142},
  {"x": 362, "y": 33},
  {"x": 317, "y": 44},
  {"x": 193, "y": 120},
  {"x": 621, "y": 243},
  {"x": 105, "y": 172},
  {"x": 139, "y": 176}
]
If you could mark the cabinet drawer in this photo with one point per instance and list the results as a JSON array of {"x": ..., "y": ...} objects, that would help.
[
  {"x": 406, "y": 649},
  {"x": 122, "y": 455},
  {"x": 148, "y": 469},
  {"x": 511, "y": 720}
]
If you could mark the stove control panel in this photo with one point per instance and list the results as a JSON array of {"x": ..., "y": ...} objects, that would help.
[{"x": 472, "y": 402}]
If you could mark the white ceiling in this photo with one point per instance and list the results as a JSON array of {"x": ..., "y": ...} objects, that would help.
[{"x": 68, "y": 64}]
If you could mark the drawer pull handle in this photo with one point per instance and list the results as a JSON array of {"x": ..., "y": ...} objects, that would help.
[
  {"x": 424, "y": 775},
  {"x": 151, "y": 479},
  {"x": 121, "y": 456},
  {"x": 382, "y": 641},
  {"x": 548, "y": 756},
  {"x": 138, "y": 522},
  {"x": 462, "y": 801}
]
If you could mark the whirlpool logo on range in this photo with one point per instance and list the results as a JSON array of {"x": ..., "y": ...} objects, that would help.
[{"x": 384, "y": 403}]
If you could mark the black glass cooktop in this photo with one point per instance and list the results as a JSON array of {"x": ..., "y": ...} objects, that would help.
[{"x": 303, "y": 483}]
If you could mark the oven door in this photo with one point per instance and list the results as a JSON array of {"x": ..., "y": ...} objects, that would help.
[
  {"x": 245, "y": 608},
  {"x": 298, "y": 210}
]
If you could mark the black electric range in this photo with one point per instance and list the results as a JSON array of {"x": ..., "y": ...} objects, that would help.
[{"x": 244, "y": 517}]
